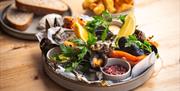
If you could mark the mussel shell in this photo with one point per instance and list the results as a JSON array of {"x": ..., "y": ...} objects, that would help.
[
  {"x": 98, "y": 57},
  {"x": 58, "y": 35},
  {"x": 140, "y": 35},
  {"x": 132, "y": 49},
  {"x": 86, "y": 57},
  {"x": 99, "y": 32},
  {"x": 63, "y": 36},
  {"x": 121, "y": 42},
  {"x": 46, "y": 45},
  {"x": 91, "y": 76},
  {"x": 154, "y": 48}
]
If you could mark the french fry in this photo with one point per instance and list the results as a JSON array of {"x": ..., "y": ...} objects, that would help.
[
  {"x": 89, "y": 4},
  {"x": 109, "y": 4},
  {"x": 113, "y": 6},
  {"x": 125, "y": 7},
  {"x": 99, "y": 9},
  {"x": 117, "y": 4},
  {"x": 92, "y": 6},
  {"x": 85, "y": 5},
  {"x": 128, "y": 1}
]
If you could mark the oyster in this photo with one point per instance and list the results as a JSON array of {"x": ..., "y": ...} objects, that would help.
[
  {"x": 51, "y": 18},
  {"x": 100, "y": 46},
  {"x": 46, "y": 45}
]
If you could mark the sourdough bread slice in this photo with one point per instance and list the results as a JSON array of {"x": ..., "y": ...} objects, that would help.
[
  {"x": 18, "y": 19},
  {"x": 41, "y": 7}
]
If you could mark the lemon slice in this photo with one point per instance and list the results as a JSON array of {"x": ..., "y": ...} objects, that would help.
[
  {"x": 128, "y": 27},
  {"x": 80, "y": 31}
]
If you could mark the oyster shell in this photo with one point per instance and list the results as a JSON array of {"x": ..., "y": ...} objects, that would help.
[{"x": 51, "y": 18}]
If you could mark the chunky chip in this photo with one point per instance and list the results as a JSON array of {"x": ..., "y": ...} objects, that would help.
[{"x": 113, "y": 6}]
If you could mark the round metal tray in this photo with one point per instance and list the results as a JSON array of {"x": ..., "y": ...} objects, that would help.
[
  {"x": 80, "y": 86},
  {"x": 30, "y": 32}
]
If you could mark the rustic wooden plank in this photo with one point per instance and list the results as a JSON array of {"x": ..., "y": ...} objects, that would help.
[{"x": 164, "y": 81}]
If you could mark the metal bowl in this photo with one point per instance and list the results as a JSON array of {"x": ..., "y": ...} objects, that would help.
[
  {"x": 81, "y": 86},
  {"x": 114, "y": 61}
]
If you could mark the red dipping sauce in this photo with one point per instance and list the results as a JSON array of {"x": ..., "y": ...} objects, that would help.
[{"x": 115, "y": 70}]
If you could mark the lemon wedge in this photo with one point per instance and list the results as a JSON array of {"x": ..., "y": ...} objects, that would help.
[
  {"x": 80, "y": 31},
  {"x": 128, "y": 27}
]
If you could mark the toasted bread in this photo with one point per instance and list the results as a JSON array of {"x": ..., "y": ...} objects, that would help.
[
  {"x": 41, "y": 7},
  {"x": 18, "y": 19}
]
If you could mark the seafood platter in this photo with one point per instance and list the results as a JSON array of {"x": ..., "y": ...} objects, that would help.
[{"x": 97, "y": 53}]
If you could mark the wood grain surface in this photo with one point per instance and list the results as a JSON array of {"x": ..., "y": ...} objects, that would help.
[{"x": 20, "y": 60}]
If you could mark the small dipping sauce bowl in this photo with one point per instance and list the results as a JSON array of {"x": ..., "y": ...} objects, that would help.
[{"x": 116, "y": 69}]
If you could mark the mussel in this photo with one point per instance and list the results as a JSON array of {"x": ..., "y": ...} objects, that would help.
[
  {"x": 99, "y": 32},
  {"x": 100, "y": 46},
  {"x": 98, "y": 60},
  {"x": 132, "y": 49},
  {"x": 45, "y": 45},
  {"x": 154, "y": 48},
  {"x": 140, "y": 35},
  {"x": 62, "y": 35},
  {"x": 121, "y": 42}
]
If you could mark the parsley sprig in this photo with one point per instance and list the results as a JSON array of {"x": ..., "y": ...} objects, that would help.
[
  {"x": 132, "y": 40},
  {"x": 122, "y": 18},
  {"x": 98, "y": 21},
  {"x": 76, "y": 54}
]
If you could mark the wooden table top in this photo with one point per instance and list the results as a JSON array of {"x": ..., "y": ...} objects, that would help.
[{"x": 20, "y": 60}]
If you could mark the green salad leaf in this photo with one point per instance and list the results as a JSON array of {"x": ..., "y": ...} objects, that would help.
[
  {"x": 67, "y": 50},
  {"x": 132, "y": 40},
  {"x": 92, "y": 39},
  {"x": 99, "y": 22},
  {"x": 71, "y": 66},
  {"x": 107, "y": 16},
  {"x": 82, "y": 53},
  {"x": 75, "y": 54},
  {"x": 122, "y": 18},
  {"x": 91, "y": 26},
  {"x": 79, "y": 42},
  {"x": 104, "y": 34},
  {"x": 60, "y": 58},
  {"x": 147, "y": 46}
]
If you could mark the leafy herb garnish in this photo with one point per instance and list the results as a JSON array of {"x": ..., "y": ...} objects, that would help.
[
  {"x": 107, "y": 16},
  {"x": 147, "y": 46},
  {"x": 91, "y": 39},
  {"x": 60, "y": 58},
  {"x": 122, "y": 17},
  {"x": 67, "y": 50},
  {"x": 76, "y": 54},
  {"x": 91, "y": 26},
  {"x": 132, "y": 40},
  {"x": 82, "y": 53},
  {"x": 104, "y": 34},
  {"x": 97, "y": 22},
  {"x": 70, "y": 67},
  {"x": 79, "y": 42}
]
